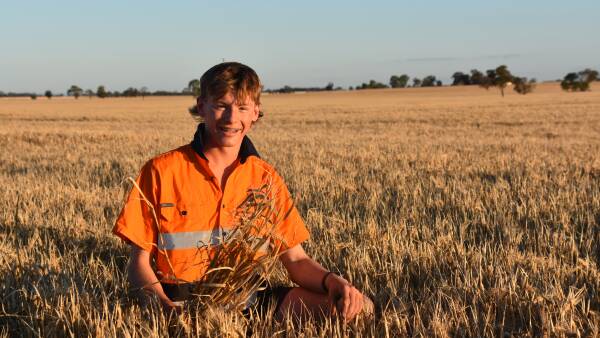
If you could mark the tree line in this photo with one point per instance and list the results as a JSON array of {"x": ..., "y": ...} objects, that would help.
[
  {"x": 499, "y": 77},
  {"x": 101, "y": 92}
]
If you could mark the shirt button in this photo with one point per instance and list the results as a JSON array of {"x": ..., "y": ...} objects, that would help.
[{"x": 223, "y": 206}]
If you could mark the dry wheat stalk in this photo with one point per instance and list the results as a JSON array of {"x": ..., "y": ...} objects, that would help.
[{"x": 245, "y": 257}]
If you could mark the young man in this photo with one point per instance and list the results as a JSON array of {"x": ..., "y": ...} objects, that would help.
[{"x": 194, "y": 190}]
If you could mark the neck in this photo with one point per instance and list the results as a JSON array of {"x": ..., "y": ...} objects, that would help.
[{"x": 220, "y": 156}]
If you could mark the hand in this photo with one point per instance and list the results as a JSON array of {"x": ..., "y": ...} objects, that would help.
[
  {"x": 344, "y": 297},
  {"x": 171, "y": 307}
]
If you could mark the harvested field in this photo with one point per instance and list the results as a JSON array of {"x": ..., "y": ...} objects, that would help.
[{"x": 461, "y": 212}]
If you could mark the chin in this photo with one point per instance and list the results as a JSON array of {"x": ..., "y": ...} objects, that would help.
[{"x": 228, "y": 142}]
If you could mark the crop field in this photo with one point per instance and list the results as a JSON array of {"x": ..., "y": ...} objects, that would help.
[{"x": 461, "y": 213}]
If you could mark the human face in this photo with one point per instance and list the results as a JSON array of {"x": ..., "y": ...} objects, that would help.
[{"x": 227, "y": 121}]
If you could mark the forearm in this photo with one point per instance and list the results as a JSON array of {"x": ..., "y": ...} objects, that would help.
[
  {"x": 307, "y": 273},
  {"x": 141, "y": 276}
]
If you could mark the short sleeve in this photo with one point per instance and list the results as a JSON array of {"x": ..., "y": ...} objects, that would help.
[
  {"x": 290, "y": 226},
  {"x": 136, "y": 223}
]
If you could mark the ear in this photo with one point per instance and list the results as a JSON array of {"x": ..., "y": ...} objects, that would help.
[{"x": 256, "y": 112}]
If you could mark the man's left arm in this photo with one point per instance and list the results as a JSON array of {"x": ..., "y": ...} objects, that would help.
[{"x": 309, "y": 274}]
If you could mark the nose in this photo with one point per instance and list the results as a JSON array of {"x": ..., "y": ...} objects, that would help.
[{"x": 231, "y": 113}]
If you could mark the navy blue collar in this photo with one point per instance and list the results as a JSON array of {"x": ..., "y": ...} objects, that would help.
[{"x": 246, "y": 148}]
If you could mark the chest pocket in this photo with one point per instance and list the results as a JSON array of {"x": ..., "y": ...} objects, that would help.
[{"x": 180, "y": 216}]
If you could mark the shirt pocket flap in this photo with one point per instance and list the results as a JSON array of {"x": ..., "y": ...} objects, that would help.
[{"x": 173, "y": 216}]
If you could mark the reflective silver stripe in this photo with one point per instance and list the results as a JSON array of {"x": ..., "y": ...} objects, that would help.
[
  {"x": 186, "y": 240},
  {"x": 197, "y": 239}
]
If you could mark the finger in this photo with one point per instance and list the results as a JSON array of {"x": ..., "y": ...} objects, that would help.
[
  {"x": 332, "y": 302},
  {"x": 361, "y": 302},
  {"x": 333, "y": 299},
  {"x": 355, "y": 303},
  {"x": 347, "y": 301}
]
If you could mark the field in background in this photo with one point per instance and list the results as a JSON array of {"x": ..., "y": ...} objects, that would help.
[{"x": 460, "y": 212}]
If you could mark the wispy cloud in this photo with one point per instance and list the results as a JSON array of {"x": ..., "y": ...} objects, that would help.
[
  {"x": 499, "y": 56},
  {"x": 434, "y": 59}
]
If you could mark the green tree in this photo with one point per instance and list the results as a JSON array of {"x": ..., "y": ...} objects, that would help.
[
  {"x": 399, "y": 81},
  {"x": 428, "y": 81},
  {"x": 416, "y": 82},
  {"x": 130, "y": 92},
  {"x": 33, "y": 96},
  {"x": 503, "y": 78},
  {"x": 89, "y": 93},
  {"x": 329, "y": 86},
  {"x": 589, "y": 75},
  {"x": 75, "y": 91},
  {"x": 143, "y": 92},
  {"x": 101, "y": 92},
  {"x": 477, "y": 77},
  {"x": 194, "y": 87},
  {"x": 48, "y": 94},
  {"x": 579, "y": 81},
  {"x": 461, "y": 79},
  {"x": 523, "y": 86},
  {"x": 372, "y": 85}
]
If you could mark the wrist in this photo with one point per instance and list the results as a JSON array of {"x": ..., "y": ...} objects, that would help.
[{"x": 324, "y": 284}]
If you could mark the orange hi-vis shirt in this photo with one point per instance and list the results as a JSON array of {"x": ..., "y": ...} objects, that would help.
[{"x": 192, "y": 210}]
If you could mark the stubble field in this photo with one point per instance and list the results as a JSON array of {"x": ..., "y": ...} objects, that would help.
[{"x": 460, "y": 212}]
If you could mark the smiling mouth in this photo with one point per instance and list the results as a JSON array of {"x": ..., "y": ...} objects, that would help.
[{"x": 229, "y": 130}]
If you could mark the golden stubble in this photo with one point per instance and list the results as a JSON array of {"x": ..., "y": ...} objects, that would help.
[{"x": 461, "y": 213}]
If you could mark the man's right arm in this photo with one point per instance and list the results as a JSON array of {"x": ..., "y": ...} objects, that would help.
[{"x": 141, "y": 276}]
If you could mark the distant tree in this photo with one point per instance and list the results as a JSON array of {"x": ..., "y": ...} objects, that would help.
[
  {"x": 48, "y": 94},
  {"x": 428, "y": 81},
  {"x": 376, "y": 85},
  {"x": 101, "y": 92},
  {"x": 130, "y": 92},
  {"x": 194, "y": 87},
  {"x": 461, "y": 79},
  {"x": 399, "y": 81},
  {"x": 329, "y": 86},
  {"x": 2, "y": 94},
  {"x": 477, "y": 77},
  {"x": 590, "y": 75},
  {"x": 33, "y": 96},
  {"x": 115, "y": 93},
  {"x": 579, "y": 81},
  {"x": 488, "y": 79},
  {"x": 523, "y": 86},
  {"x": 89, "y": 93},
  {"x": 438, "y": 83},
  {"x": 144, "y": 91},
  {"x": 350, "y": 88},
  {"x": 372, "y": 85},
  {"x": 503, "y": 78},
  {"x": 75, "y": 91},
  {"x": 416, "y": 82}
]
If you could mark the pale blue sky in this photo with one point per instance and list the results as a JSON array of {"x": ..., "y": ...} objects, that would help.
[{"x": 164, "y": 44}]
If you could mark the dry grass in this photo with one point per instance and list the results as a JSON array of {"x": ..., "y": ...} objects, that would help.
[{"x": 460, "y": 212}]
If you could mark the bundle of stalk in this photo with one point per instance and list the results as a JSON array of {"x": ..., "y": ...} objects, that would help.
[{"x": 242, "y": 261}]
